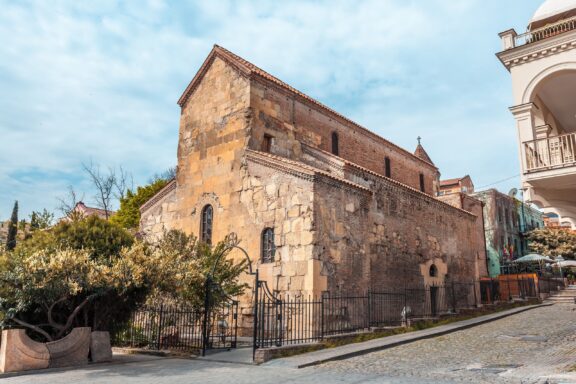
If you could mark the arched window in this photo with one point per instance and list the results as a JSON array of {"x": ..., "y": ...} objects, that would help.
[
  {"x": 433, "y": 271},
  {"x": 268, "y": 246},
  {"x": 387, "y": 167},
  {"x": 335, "y": 143},
  {"x": 206, "y": 224}
]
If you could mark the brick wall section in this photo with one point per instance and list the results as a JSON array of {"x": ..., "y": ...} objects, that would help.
[{"x": 291, "y": 122}]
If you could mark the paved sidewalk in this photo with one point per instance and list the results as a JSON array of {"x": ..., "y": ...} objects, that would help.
[{"x": 356, "y": 349}]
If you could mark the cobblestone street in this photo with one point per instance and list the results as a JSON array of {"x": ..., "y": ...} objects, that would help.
[
  {"x": 537, "y": 346},
  {"x": 516, "y": 349}
]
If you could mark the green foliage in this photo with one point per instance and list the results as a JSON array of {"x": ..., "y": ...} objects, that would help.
[
  {"x": 12, "y": 229},
  {"x": 553, "y": 242},
  {"x": 128, "y": 216},
  {"x": 100, "y": 237},
  {"x": 181, "y": 264},
  {"x": 41, "y": 220},
  {"x": 90, "y": 272},
  {"x": 51, "y": 291}
]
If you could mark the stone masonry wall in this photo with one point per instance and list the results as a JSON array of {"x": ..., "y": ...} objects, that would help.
[{"x": 382, "y": 241}]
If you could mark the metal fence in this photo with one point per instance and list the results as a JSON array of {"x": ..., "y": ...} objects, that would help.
[
  {"x": 157, "y": 327},
  {"x": 284, "y": 320}
]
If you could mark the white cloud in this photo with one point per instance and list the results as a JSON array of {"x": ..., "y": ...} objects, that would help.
[{"x": 99, "y": 80}]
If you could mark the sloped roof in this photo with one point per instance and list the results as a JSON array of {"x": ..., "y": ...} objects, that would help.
[
  {"x": 250, "y": 70},
  {"x": 421, "y": 153}
]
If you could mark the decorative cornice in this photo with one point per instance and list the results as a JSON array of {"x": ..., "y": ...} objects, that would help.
[
  {"x": 300, "y": 170},
  {"x": 534, "y": 51},
  {"x": 171, "y": 186},
  {"x": 305, "y": 171}
]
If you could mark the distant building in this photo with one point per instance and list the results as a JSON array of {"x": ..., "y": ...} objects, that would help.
[
  {"x": 506, "y": 222},
  {"x": 84, "y": 211},
  {"x": 463, "y": 184}
]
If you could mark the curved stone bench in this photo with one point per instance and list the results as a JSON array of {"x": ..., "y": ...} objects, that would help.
[
  {"x": 18, "y": 352},
  {"x": 71, "y": 350}
]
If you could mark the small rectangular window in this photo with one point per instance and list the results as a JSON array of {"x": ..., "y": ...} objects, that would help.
[
  {"x": 387, "y": 167},
  {"x": 267, "y": 143},
  {"x": 422, "y": 188}
]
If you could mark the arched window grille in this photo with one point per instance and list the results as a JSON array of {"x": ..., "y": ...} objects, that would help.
[
  {"x": 433, "y": 271},
  {"x": 335, "y": 150},
  {"x": 206, "y": 224},
  {"x": 268, "y": 246}
]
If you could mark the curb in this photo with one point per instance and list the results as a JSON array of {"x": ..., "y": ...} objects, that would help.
[
  {"x": 347, "y": 355},
  {"x": 88, "y": 365}
]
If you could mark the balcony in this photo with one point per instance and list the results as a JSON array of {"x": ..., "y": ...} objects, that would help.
[
  {"x": 546, "y": 32},
  {"x": 550, "y": 153}
]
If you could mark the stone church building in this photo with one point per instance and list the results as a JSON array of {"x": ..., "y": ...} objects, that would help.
[{"x": 319, "y": 202}]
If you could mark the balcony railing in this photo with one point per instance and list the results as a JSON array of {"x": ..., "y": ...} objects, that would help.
[
  {"x": 546, "y": 32},
  {"x": 552, "y": 152}
]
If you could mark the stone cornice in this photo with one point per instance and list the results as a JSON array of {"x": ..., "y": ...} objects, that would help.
[
  {"x": 301, "y": 170},
  {"x": 171, "y": 186},
  {"x": 291, "y": 166},
  {"x": 534, "y": 51}
]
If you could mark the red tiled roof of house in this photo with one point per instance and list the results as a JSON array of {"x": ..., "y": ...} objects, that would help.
[
  {"x": 250, "y": 70},
  {"x": 89, "y": 211}
]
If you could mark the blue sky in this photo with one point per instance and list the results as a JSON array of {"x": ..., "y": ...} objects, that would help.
[{"x": 99, "y": 80}]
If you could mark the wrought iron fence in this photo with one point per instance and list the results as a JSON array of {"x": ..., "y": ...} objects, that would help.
[
  {"x": 157, "y": 327},
  {"x": 178, "y": 327},
  {"x": 284, "y": 320}
]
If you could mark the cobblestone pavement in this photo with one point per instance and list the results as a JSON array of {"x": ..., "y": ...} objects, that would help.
[{"x": 536, "y": 346}]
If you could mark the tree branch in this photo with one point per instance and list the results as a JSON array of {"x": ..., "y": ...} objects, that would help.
[
  {"x": 75, "y": 313},
  {"x": 33, "y": 327},
  {"x": 51, "y": 321}
]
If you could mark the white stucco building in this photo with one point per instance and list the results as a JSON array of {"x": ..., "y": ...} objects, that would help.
[{"x": 542, "y": 63}]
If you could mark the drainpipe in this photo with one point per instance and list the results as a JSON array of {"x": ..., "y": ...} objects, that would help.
[{"x": 484, "y": 237}]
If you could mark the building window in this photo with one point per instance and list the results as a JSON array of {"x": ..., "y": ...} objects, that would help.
[
  {"x": 206, "y": 224},
  {"x": 422, "y": 188},
  {"x": 335, "y": 150},
  {"x": 268, "y": 246},
  {"x": 387, "y": 167},
  {"x": 433, "y": 271},
  {"x": 267, "y": 144}
]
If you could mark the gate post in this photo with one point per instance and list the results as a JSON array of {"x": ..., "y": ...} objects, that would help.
[
  {"x": 205, "y": 331},
  {"x": 255, "y": 312}
]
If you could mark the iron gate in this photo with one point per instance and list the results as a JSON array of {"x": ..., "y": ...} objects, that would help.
[
  {"x": 267, "y": 317},
  {"x": 220, "y": 321}
]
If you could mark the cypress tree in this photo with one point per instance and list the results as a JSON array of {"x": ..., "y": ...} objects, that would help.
[{"x": 13, "y": 228}]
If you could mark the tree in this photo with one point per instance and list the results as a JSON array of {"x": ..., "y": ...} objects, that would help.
[
  {"x": 49, "y": 292},
  {"x": 108, "y": 185},
  {"x": 128, "y": 216},
  {"x": 12, "y": 229},
  {"x": 40, "y": 220},
  {"x": 86, "y": 272},
  {"x": 180, "y": 265},
  {"x": 553, "y": 242},
  {"x": 101, "y": 238},
  {"x": 67, "y": 204}
]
